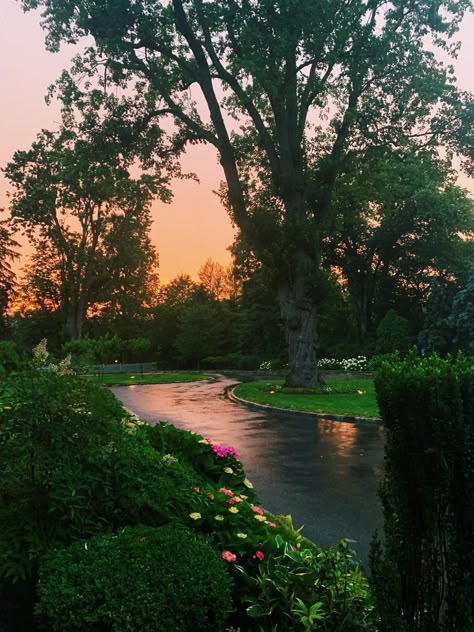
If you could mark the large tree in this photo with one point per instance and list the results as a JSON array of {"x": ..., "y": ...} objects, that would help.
[
  {"x": 314, "y": 76},
  {"x": 75, "y": 198},
  {"x": 400, "y": 222}
]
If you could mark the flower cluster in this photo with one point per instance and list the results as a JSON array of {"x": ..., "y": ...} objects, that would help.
[
  {"x": 224, "y": 450},
  {"x": 349, "y": 364},
  {"x": 63, "y": 367},
  {"x": 40, "y": 353},
  {"x": 266, "y": 365},
  {"x": 238, "y": 525}
]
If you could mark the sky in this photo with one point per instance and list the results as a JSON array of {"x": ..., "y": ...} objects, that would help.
[{"x": 194, "y": 226}]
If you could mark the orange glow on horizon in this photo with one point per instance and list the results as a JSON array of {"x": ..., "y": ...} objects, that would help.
[{"x": 194, "y": 226}]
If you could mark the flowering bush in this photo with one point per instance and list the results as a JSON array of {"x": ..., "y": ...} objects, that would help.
[
  {"x": 233, "y": 522},
  {"x": 215, "y": 464},
  {"x": 349, "y": 364}
]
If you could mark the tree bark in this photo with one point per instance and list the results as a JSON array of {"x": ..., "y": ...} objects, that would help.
[{"x": 298, "y": 310}]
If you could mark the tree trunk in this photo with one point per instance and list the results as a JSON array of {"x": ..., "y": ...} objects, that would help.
[
  {"x": 298, "y": 310},
  {"x": 75, "y": 314}
]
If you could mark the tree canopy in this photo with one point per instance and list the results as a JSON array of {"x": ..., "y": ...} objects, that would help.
[
  {"x": 277, "y": 87},
  {"x": 75, "y": 198}
]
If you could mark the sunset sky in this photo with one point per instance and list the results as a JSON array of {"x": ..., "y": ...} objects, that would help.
[{"x": 192, "y": 228}]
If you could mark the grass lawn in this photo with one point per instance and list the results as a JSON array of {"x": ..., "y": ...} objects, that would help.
[
  {"x": 125, "y": 379},
  {"x": 354, "y": 397}
]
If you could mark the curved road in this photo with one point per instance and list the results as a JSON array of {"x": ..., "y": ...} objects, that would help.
[{"x": 324, "y": 473}]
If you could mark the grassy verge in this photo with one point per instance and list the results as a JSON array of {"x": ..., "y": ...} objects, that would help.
[
  {"x": 355, "y": 397},
  {"x": 126, "y": 379}
]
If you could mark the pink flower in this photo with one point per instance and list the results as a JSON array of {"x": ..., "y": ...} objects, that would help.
[
  {"x": 271, "y": 524},
  {"x": 293, "y": 548},
  {"x": 211, "y": 496},
  {"x": 258, "y": 555},
  {"x": 196, "y": 489},
  {"x": 231, "y": 501},
  {"x": 224, "y": 450},
  {"x": 227, "y": 492},
  {"x": 256, "y": 509},
  {"x": 228, "y": 556}
]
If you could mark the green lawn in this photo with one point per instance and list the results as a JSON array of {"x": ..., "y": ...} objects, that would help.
[
  {"x": 125, "y": 379},
  {"x": 354, "y": 397}
]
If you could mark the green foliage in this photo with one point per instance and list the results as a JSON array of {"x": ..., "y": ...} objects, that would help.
[
  {"x": 138, "y": 579},
  {"x": 309, "y": 588},
  {"x": 424, "y": 577},
  {"x": 400, "y": 220},
  {"x": 393, "y": 334},
  {"x": 437, "y": 333},
  {"x": 209, "y": 460},
  {"x": 462, "y": 316},
  {"x": 236, "y": 361},
  {"x": 8, "y": 254},
  {"x": 9, "y": 357},
  {"x": 69, "y": 468}
]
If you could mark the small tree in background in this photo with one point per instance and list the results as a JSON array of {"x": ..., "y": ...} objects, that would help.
[{"x": 393, "y": 334}]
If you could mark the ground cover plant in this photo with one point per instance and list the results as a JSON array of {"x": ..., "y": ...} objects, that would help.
[
  {"x": 352, "y": 397},
  {"x": 77, "y": 473},
  {"x": 128, "y": 379}
]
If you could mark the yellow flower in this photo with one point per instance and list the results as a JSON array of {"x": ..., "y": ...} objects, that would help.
[
  {"x": 248, "y": 484},
  {"x": 228, "y": 470},
  {"x": 204, "y": 441},
  {"x": 260, "y": 518},
  {"x": 233, "y": 510},
  {"x": 238, "y": 499},
  {"x": 242, "y": 535},
  {"x": 195, "y": 515},
  {"x": 219, "y": 517}
]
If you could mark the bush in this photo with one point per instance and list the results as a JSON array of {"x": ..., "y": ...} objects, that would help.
[
  {"x": 70, "y": 467},
  {"x": 210, "y": 462},
  {"x": 9, "y": 357},
  {"x": 307, "y": 589},
  {"x": 424, "y": 577},
  {"x": 231, "y": 361},
  {"x": 393, "y": 334},
  {"x": 140, "y": 579}
]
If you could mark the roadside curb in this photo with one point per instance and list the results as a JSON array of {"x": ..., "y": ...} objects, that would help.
[{"x": 331, "y": 417}]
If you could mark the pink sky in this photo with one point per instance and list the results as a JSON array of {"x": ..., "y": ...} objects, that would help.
[{"x": 195, "y": 226}]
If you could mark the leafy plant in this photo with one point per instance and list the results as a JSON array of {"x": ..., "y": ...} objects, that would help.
[
  {"x": 141, "y": 578},
  {"x": 301, "y": 588}
]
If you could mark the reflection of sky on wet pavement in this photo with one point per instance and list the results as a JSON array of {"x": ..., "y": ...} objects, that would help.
[{"x": 324, "y": 473}]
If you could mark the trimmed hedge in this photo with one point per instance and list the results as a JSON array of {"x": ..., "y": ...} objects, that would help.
[
  {"x": 141, "y": 579},
  {"x": 424, "y": 578}
]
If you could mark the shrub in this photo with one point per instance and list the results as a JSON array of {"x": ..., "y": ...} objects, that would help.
[
  {"x": 307, "y": 589},
  {"x": 231, "y": 361},
  {"x": 212, "y": 463},
  {"x": 70, "y": 468},
  {"x": 424, "y": 577},
  {"x": 393, "y": 334},
  {"x": 140, "y": 579},
  {"x": 9, "y": 357}
]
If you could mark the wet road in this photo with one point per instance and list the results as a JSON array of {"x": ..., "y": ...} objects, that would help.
[{"x": 324, "y": 473}]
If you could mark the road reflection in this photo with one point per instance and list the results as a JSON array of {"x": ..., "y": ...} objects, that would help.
[{"x": 324, "y": 473}]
